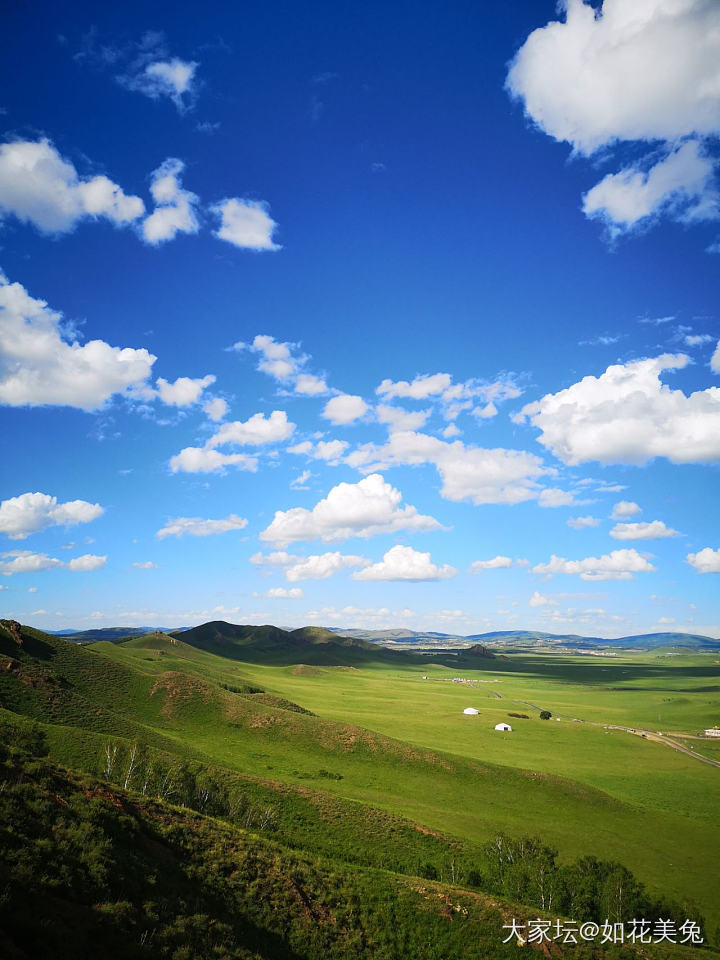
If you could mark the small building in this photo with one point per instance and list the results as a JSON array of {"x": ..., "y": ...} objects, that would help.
[
  {"x": 503, "y": 727},
  {"x": 713, "y": 732},
  {"x": 470, "y": 712}
]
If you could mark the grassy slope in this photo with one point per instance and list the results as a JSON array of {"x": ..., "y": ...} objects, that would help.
[{"x": 171, "y": 691}]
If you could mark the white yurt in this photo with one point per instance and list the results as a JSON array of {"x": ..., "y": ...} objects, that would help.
[
  {"x": 470, "y": 712},
  {"x": 503, "y": 727}
]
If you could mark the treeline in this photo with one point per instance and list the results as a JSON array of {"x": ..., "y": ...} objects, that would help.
[
  {"x": 135, "y": 766},
  {"x": 527, "y": 870}
]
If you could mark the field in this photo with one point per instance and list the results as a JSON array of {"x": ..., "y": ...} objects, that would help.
[
  {"x": 372, "y": 760},
  {"x": 582, "y": 788}
]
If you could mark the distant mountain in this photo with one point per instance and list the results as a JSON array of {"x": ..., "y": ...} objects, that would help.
[
  {"x": 109, "y": 633},
  {"x": 315, "y": 646},
  {"x": 426, "y": 640}
]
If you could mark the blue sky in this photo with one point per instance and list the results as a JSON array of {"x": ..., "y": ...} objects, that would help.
[{"x": 361, "y": 316}]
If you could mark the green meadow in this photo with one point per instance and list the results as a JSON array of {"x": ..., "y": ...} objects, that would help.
[
  {"x": 321, "y": 740},
  {"x": 402, "y": 743}
]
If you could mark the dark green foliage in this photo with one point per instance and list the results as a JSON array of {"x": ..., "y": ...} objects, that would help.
[
  {"x": 520, "y": 716},
  {"x": 86, "y": 872},
  {"x": 545, "y": 715}
]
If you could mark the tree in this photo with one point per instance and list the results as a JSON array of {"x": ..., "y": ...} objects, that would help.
[{"x": 545, "y": 714}]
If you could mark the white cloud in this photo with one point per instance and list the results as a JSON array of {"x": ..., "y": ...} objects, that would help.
[
  {"x": 617, "y": 565},
  {"x": 256, "y": 431},
  {"x": 88, "y": 561},
  {"x": 679, "y": 186},
  {"x": 652, "y": 530},
  {"x": 40, "y": 363},
  {"x": 31, "y": 512},
  {"x": 309, "y": 385},
  {"x": 423, "y": 386},
  {"x": 697, "y": 339},
  {"x": 184, "y": 391},
  {"x": 246, "y": 224},
  {"x": 345, "y": 408},
  {"x": 328, "y": 450},
  {"x": 627, "y": 415},
  {"x": 540, "y": 600},
  {"x": 172, "y": 78},
  {"x": 281, "y": 593},
  {"x": 497, "y": 563},
  {"x": 398, "y": 418},
  {"x": 577, "y": 523},
  {"x": 175, "y": 208},
  {"x": 404, "y": 563},
  {"x": 197, "y": 527},
  {"x": 205, "y": 460},
  {"x": 486, "y": 412},
  {"x": 215, "y": 408},
  {"x": 641, "y": 71},
  {"x": 554, "y": 497},
  {"x": 25, "y": 561},
  {"x": 278, "y": 558},
  {"x": 705, "y": 561},
  {"x": 321, "y": 566},
  {"x": 299, "y": 483},
  {"x": 624, "y": 509},
  {"x": 277, "y": 358},
  {"x": 145, "y": 565},
  {"x": 468, "y": 473},
  {"x": 38, "y": 186},
  {"x": 630, "y": 72},
  {"x": 361, "y": 509},
  {"x": 715, "y": 359}
]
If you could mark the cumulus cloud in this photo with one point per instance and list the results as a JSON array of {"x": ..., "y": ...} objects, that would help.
[
  {"x": 309, "y": 385},
  {"x": 281, "y": 593},
  {"x": 42, "y": 363},
  {"x": 404, "y": 563},
  {"x": 705, "y": 561},
  {"x": 715, "y": 359},
  {"x": 278, "y": 558},
  {"x": 631, "y": 72},
  {"x": 578, "y": 523},
  {"x": 497, "y": 563},
  {"x": 175, "y": 208},
  {"x": 324, "y": 565},
  {"x": 477, "y": 474},
  {"x": 624, "y": 509},
  {"x": 206, "y": 460},
  {"x": 38, "y": 186},
  {"x": 540, "y": 600},
  {"x": 256, "y": 431},
  {"x": 31, "y": 512},
  {"x": 89, "y": 561},
  {"x": 344, "y": 409},
  {"x": 652, "y": 530},
  {"x": 423, "y": 386},
  {"x": 25, "y": 561},
  {"x": 184, "y": 391},
  {"x": 617, "y": 565},
  {"x": 627, "y": 415},
  {"x": 554, "y": 497},
  {"x": 329, "y": 450},
  {"x": 361, "y": 509},
  {"x": 398, "y": 418},
  {"x": 172, "y": 78},
  {"x": 680, "y": 186},
  {"x": 197, "y": 527},
  {"x": 215, "y": 408},
  {"x": 246, "y": 224}
]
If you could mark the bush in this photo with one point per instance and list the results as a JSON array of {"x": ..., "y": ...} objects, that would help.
[{"x": 545, "y": 714}]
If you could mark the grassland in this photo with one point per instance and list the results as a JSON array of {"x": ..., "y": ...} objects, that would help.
[{"x": 372, "y": 734}]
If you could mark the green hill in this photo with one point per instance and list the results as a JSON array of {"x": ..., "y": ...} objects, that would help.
[{"x": 225, "y": 714}]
